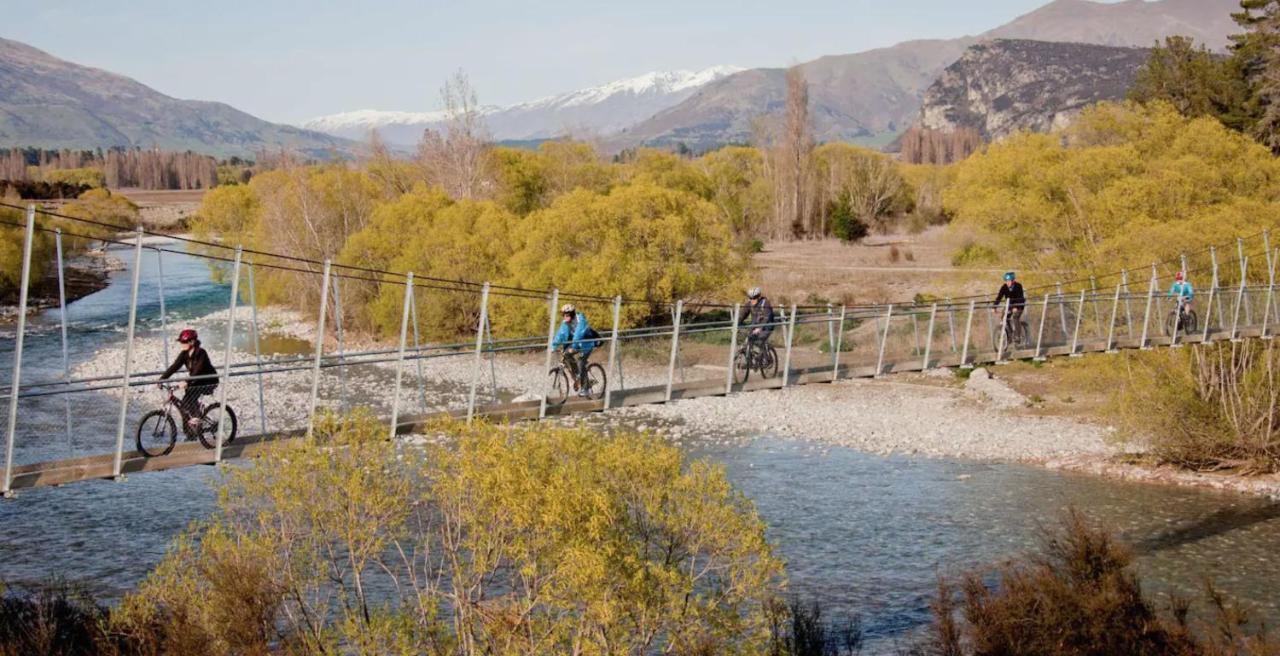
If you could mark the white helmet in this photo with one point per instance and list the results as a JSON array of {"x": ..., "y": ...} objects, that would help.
[
  {"x": 754, "y": 292},
  {"x": 568, "y": 309}
]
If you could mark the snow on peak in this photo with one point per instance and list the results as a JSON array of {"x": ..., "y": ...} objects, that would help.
[
  {"x": 655, "y": 82},
  {"x": 376, "y": 118}
]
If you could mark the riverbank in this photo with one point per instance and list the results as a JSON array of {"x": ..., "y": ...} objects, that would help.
[{"x": 85, "y": 274}]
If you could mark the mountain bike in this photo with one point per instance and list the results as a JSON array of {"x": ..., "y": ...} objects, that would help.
[
  {"x": 1015, "y": 330},
  {"x": 158, "y": 432},
  {"x": 591, "y": 386},
  {"x": 1181, "y": 319},
  {"x": 756, "y": 354}
]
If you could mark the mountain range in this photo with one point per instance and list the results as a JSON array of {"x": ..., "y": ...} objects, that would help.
[
  {"x": 866, "y": 97},
  {"x": 600, "y": 110},
  {"x": 52, "y": 103}
]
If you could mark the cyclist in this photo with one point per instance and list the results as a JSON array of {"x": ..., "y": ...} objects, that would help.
[
  {"x": 1011, "y": 290},
  {"x": 1182, "y": 290},
  {"x": 197, "y": 363},
  {"x": 578, "y": 339},
  {"x": 760, "y": 316}
]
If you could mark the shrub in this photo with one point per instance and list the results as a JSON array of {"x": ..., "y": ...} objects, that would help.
[
  {"x": 894, "y": 254},
  {"x": 54, "y": 618},
  {"x": 846, "y": 225},
  {"x": 974, "y": 254},
  {"x": 1206, "y": 406},
  {"x": 757, "y": 246},
  {"x": 531, "y": 539},
  {"x": 1078, "y": 596}
]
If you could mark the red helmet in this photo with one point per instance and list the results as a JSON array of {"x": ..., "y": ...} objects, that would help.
[
  {"x": 187, "y": 335},
  {"x": 1178, "y": 276}
]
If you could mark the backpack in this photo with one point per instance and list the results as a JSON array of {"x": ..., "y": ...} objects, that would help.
[{"x": 591, "y": 337}]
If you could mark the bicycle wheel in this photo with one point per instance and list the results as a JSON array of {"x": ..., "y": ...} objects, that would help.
[
  {"x": 1171, "y": 324},
  {"x": 741, "y": 366},
  {"x": 769, "y": 362},
  {"x": 558, "y": 390},
  {"x": 597, "y": 382},
  {"x": 156, "y": 434},
  {"x": 1190, "y": 322},
  {"x": 213, "y": 416}
]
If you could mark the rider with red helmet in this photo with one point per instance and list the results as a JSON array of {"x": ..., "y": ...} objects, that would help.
[{"x": 196, "y": 361}]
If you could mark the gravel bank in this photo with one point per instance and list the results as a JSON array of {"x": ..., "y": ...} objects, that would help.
[{"x": 885, "y": 417}]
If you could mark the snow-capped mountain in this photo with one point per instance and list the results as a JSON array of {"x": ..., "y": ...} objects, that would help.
[{"x": 600, "y": 110}]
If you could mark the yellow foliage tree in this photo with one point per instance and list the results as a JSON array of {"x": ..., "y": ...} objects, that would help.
[
  {"x": 640, "y": 240},
  {"x": 1125, "y": 185},
  {"x": 740, "y": 188},
  {"x": 530, "y": 540}
]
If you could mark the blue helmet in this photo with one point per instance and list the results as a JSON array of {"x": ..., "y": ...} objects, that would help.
[{"x": 1009, "y": 277}]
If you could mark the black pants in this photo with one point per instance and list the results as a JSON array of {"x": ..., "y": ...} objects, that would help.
[
  {"x": 190, "y": 403},
  {"x": 578, "y": 364}
]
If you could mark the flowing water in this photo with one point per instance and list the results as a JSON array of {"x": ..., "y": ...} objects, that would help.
[{"x": 866, "y": 535}]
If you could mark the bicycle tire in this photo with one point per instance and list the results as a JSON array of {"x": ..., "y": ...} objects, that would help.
[
  {"x": 597, "y": 382},
  {"x": 558, "y": 389},
  {"x": 1171, "y": 324},
  {"x": 741, "y": 367},
  {"x": 1191, "y": 324},
  {"x": 163, "y": 436},
  {"x": 209, "y": 428},
  {"x": 769, "y": 366}
]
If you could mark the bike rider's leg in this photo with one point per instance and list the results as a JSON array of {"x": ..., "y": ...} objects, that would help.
[{"x": 189, "y": 405}]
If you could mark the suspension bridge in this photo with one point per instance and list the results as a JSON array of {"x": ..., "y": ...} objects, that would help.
[{"x": 69, "y": 423}]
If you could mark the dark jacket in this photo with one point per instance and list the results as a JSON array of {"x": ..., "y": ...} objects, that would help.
[
  {"x": 761, "y": 313},
  {"x": 1012, "y": 292},
  {"x": 197, "y": 363}
]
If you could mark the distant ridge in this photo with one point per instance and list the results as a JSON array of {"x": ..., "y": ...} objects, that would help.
[{"x": 47, "y": 102}]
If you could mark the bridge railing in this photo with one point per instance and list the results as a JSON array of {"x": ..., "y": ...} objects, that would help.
[{"x": 280, "y": 370}]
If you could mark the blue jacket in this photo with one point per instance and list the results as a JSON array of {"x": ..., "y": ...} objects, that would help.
[
  {"x": 576, "y": 339},
  {"x": 1182, "y": 290}
]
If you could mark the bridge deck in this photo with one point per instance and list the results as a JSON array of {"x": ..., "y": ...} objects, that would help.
[{"x": 59, "y": 472}]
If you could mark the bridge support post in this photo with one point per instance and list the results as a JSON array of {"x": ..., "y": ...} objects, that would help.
[
  {"x": 1244, "y": 276},
  {"x": 951, "y": 324},
  {"x": 884, "y": 339},
  {"x": 831, "y": 326},
  {"x": 479, "y": 360},
  {"x": 1044, "y": 315},
  {"x": 1093, "y": 296},
  {"x": 128, "y": 356},
  {"x": 417, "y": 353},
  {"x": 315, "y": 367},
  {"x": 1208, "y": 312},
  {"x": 928, "y": 340},
  {"x": 835, "y": 353},
  {"x": 1213, "y": 292},
  {"x": 404, "y": 339},
  {"x": 551, "y": 340},
  {"x": 1062, "y": 310},
  {"x": 1004, "y": 332},
  {"x": 337, "y": 325},
  {"x": 1111, "y": 330},
  {"x": 1128, "y": 302},
  {"x": 164, "y": 324},
  {"x": 675, "y": 348},
  {"x": 1235, "y": 318},
  {"x": 227, "y": 353},
  {"x": 15, "y": 383},
  {"x": 62, "y": 325},
  {"x": 257, "y": 353},
  {"x": 733, "y": 347},
  {"x": 1146, "y": 315},
  {"x": 968, "y": 331},
  {"x": 1075, "y": 335},
  {"x": 1271, "y": 288},
  {"x": 791, "y": 335},
  {"x": 613, "y": 348}
]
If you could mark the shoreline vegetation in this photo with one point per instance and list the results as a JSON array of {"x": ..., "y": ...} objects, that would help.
[{"x": 635, "y": 549}]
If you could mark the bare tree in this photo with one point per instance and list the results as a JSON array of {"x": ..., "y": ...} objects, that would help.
[
  {"x": 458, "y": 158},
  {"x": 793, "y": 163}
]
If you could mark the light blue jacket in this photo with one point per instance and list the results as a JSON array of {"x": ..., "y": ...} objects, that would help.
[
  {"x": 575, "y": 335},
  {"x": 1182, "y": 290}
]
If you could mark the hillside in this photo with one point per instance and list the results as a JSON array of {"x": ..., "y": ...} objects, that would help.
[
  {"x": 870, "y": 96},
  {"x": 1002, "y": 86},
  {"x": 51, "y": 103}
]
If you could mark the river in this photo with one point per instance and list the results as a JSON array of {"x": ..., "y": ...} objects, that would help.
[{"x": 866, "y": 535}]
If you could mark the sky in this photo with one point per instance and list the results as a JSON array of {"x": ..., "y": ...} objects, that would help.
[{"x": 291, "y": 61}]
